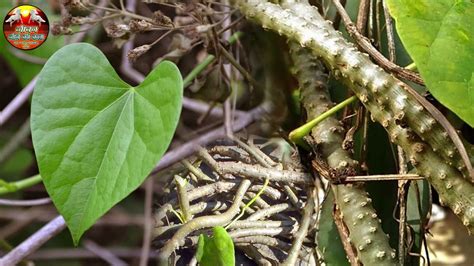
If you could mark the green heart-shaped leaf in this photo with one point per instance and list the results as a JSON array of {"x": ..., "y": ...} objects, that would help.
[
  {"x": 439, "y": 36},
  {"x": 96, "y": 138},
  {"x": 217, "y": 250}
]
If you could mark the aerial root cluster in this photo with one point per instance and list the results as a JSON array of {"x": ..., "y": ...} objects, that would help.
[{"x": 278, "y": 228}]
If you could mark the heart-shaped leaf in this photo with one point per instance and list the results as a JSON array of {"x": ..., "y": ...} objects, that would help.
[
  {"x": 217, "y": 250},
  {"x": 439, "y": 36},
  {"x": 96, "y": 138}
]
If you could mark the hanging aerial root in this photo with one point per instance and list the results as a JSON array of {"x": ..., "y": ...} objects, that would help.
[{"x": 267, "y": 226}]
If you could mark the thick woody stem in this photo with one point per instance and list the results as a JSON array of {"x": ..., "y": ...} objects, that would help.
[
  {"x": 409, "y": 124},
  {"x": 359, "y": 216}
]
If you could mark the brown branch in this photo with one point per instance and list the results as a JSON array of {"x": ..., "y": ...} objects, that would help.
[
  {"x": 81, "y": 253},
  {"x": 362, "y": 16},
  {"x": 382, "y": 177},
  {"x": 337, "y": 17},
  {"x": 35, "y": 241},
  {"x": 15, "y": 141},
  {"x": 103, "y": 253},
  {"x": 345, "y": 237},
  {"x": 147, "y": 222},
  {"x": 25, "y": 203},
  {"x": 365, "y": 44},
  {"x": 17, "y": 102},
  {"x": 390, "y": 33}
]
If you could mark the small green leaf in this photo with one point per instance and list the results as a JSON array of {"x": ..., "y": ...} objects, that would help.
[
  {"x": 96, "y": 138},
  {"x": 439, "y": 36},
  {"x": 200, "y": 247},
  {"x": 217, "y": 250}
]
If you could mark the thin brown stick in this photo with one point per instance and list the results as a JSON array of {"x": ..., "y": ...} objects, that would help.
[
  {"x": 103, "y": 253},
  {"x": 382, "y": 177},
  {"x": 25, "y": 218},
  {"x": 362, "y": 16},
  {"x": 344, "y": 233},
  {"x": 35, "y": 241},
  {"x": 46, "y": 214},
  {"x": 402, "y": 251},
  {"x": 337, "y": 17},
  {"x": 370, "y": 22},
  {"x": 240, "y": 68},
  {"x": 232, "y": 152},
  {"x": 402, "y": 190},
  {"x": 15, "y": 141},
  {"x": 423, "y": 220},
  {"x": 365, "y": 44},
  {"x": 228, "y": 117},
  {"x": 390, "y": 34},
  {"x": 402, "y": 164},
  {"x": 254, "y": 152},
  {"x": 27, "y": 57},
  {"x": 17, "y": 102},
  {"x": 378, "y": 13},
  {"x": 228, "y": 73},
  {"x": 271, "y": 231},
  {"x": 84, "y": 29},
  {"x": 147, "y": 222},
  {"x": 25, "y": 203},
  {"x": 75, "y": 254}
]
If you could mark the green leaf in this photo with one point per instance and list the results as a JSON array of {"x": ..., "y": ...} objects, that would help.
[
  {"x": 217, "y": 250},
  {"x": 328, "y": 239},
  {"x": 96, "y": 138},
  {"x": 439, "y": 36}
]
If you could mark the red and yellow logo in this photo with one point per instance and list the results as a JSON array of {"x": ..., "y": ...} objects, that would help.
[{"x": 26, "y": 27}]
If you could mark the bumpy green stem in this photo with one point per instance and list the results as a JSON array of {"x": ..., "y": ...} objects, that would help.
[
  {"x": 381, "y": 85},
  {"x": 366, "y": 232},
  {"x": 408, "y": 123}
]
